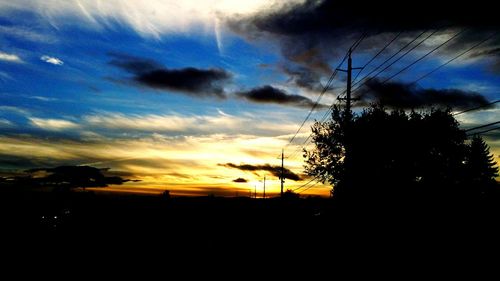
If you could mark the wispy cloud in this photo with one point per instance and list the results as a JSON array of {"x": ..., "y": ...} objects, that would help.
[
  {"x": 5, "y": 123},
  {"x": 10, "y": 57},
  {"x": 51, "y": 60},
  {"x": 15, "y": 110},
  {"x": 157, "y": 18},
  {"x": 112, "y": 124},
  {"x": 27, "y": 34},
  {"x": 53, "y": 124},
  {"x": 175, "y": 124}
]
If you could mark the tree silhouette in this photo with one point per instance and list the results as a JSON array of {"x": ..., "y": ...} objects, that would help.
[
  {"x": 290, "y": 194},
  {"x": 481, "y": 167},
  {"x": 72, "y": 177},
  {"x": 382, "y": 154}
]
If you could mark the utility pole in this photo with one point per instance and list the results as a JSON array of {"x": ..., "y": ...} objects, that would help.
[
  {"x": 282, "y": 178},
  {"x": 348, "y": 99},
  {"x": 264, "y": 195},
  {"x": 255, "y": 191}
]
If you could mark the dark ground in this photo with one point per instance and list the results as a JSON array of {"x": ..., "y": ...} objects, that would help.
[{"x": 110, "y": 227}]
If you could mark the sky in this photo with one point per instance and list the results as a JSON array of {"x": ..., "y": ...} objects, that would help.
[{"x": 200, "y": 97}]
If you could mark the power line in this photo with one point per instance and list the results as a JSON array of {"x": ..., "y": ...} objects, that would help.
[
  {"x": 482, "y": 126},
  {"x": 475, "y": 108},
  {"x": 357, "y": 42},
  {"x": 398, "y": 59},
  {"x": 377, "y": 54},
  {"x": 325, "y": 116},
  {"x": 424, "y": 56},
  {"x": 485, "y": 131},
  {"x": 305, "y": 184},
  {"x": 327, "y": 86},
  {"x": 454, "y": 58},
  {"x": 394, "y": 55},
  {"x": 416, "y": 61},
  {"x": 316, "y": 183}
]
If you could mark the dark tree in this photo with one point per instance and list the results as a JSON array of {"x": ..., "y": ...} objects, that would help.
[
  {"x": 289, "y": 194},
  {"x": 480, "y": 164},
  {"x": 382, "y": 154},
  {"x": 73, "y": 177}
]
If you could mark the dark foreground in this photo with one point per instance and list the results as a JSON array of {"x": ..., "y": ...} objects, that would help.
[{"x": 111, "y": 226}]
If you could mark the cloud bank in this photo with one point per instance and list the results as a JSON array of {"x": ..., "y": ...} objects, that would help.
[
  {"x": 191, "y": 81},
  {"x": 408, "y": 96},
  {"x": 270, "y": 94},
  {"x": 275, "y": 170}
]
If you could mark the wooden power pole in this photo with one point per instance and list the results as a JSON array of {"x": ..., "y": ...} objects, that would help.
[
  {"x": 264, "y": 195},
  {"x": 282, "y": 178},
  {"x": 348, "y": 99}
]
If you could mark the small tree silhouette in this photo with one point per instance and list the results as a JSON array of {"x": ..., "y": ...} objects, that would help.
[
  {"x": 480, "y": 164},
  {"x": 289, "y": 194}
]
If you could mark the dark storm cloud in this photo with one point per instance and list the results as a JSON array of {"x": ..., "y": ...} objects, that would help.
[
  {"x": 275, "y": 170},
  {"x": 269, "y": 94},
  {"x": 334, "y": 18},
  {"x": 133, "y": 64},
  {"x": 303, "y": 77},
  {"x": 407, "y": 96},
  {"x": 313, "y": 33},
  {"x": 240, "y": 180},
  {"x": 191, "y": 81}
]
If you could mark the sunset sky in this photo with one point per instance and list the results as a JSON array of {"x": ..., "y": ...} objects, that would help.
[{"x": 200, "y": 97}]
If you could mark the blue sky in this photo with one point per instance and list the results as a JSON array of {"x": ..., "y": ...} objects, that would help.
[{"x": 66, "y": 97}]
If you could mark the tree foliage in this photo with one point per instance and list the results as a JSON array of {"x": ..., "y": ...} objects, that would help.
[
  {"x": 381, "y": 153},
  {"x": 481, "y": 166}
]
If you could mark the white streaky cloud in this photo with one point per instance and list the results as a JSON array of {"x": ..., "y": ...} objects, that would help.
[
  {"x": 109, "y": 123},
  {"x": 51, "y": 60},
  {"x": 186, "y": 125},
  {"x": 40, "y": 98},
  {"x": 5, "y": 123},
  {"x": 26, "y": 34},
  {"x": 52, "y": 124},
  {"x": 5, "y": 76},
  {"x": 218, "y": 36},
  {"x": 14, "y": 110},
  {"x": 152, "y": 18},
  {"x": 10, "y": 57}
]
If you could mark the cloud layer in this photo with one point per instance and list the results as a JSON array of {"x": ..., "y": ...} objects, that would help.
[
  {"x": 407, "y": 96},
  {"x": 156, "y": 18},
  {"x": 191, "y": 81},
  {"x": 270, "y": 94},
  {"x": 313, "y": 35},
  {"x": 275, "y": 170}
]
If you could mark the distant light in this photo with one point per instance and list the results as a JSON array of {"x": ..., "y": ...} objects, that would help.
[{"x": 55, "y": 217}]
